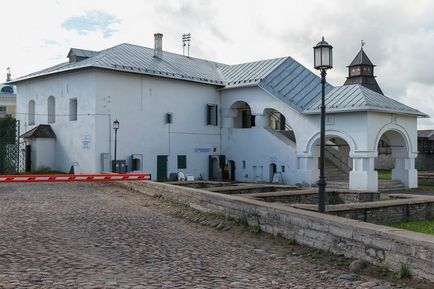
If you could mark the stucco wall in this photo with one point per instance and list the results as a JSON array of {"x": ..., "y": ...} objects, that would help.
[
  {"x": 75, "y": 140},
  {"x": 140, "y": 104}
]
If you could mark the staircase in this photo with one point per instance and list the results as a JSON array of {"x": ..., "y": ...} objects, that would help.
[{"x": 389, "y": 186}]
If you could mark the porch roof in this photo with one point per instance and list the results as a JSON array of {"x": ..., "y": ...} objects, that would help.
[
  {"x": 40, "y": 131},
  {"x": 351, "y": 98}
]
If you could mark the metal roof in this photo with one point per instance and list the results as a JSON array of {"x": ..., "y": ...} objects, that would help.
[
  {"x": 361, "y": 59},
  {"x": 356, "y": 97},
  {"x": 283, "y": 77},
  {"x": 81, "y": 52},
  {"x": 249, "y": 73},
  {"x": 137, "y": 59},
  {"x": 40, "y": 131},
  {"x": 294, "y": 84},
  {"x": 427, "y": 133}
]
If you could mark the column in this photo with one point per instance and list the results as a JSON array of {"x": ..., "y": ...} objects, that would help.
[
  {"x": 308, "y": 169},
  {"x": 261, "y": 120},
  {"x": 405, "y": 172},
  {"x": 363, "y": 177}
]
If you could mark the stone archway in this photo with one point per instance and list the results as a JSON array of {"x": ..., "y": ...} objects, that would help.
[
  {"x": 400, "y": 155},
  {"x": 242, "y": 115}
]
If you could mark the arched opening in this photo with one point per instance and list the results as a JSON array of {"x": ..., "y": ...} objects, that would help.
[
  {"x": 273, "y": 170},
  {"x": 276, "y": 121},
  {"x": 231, "y": 170},
  {"x": 338, "y": 163},
  {"x": 31, "y": 113},
  {"x": 51, "y": 108},
  {"x": 7, "y": 89},
  {"x": 242, "y": 113},
  {"x": 393, "y": 162}
]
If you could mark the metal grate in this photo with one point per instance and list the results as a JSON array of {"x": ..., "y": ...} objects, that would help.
[{"x": 12, "y": 151}]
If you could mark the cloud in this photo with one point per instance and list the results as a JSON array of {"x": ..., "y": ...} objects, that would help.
[{"x": 94, "y": 20}]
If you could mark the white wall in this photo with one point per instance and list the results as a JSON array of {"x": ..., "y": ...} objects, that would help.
[
  {"x": 69, "y": 146},
  {"x": 140, "y": 104}
]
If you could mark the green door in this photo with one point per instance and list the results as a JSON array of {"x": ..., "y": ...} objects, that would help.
[{"x": 161, "y": 168}]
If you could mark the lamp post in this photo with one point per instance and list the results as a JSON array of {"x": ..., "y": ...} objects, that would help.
[
  {"x": 115, "y": 127},
  {"x": 323, "y": 60}
]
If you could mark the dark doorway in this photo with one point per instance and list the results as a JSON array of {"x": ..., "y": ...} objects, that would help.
[
  {"x": 232, "y": 171},
  {"x": 28, "y": 158},
  {"x": 273, "y": 170},
  {"x": 161, "y": 168}
]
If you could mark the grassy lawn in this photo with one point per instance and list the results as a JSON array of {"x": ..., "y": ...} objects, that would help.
[
  {"x": 426, "y": 227},
  {"x": 385, "y": 175}
]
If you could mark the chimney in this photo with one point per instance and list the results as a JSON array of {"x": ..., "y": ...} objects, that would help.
[{"x": 158, "y": 45}]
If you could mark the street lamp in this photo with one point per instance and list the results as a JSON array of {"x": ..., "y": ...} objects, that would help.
[
  {"x": 115, "y": 127},
  {"x": 323, "y": 60}
]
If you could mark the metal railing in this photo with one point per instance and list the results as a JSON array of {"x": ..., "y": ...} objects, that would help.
[
  {"x": 341, "y": 163},
  {"x": 290, "y": 135}
]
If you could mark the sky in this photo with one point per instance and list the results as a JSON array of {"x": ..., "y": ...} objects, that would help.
[{"x": 399, "y": 35}]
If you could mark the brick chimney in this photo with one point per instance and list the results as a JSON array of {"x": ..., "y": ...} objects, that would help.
[{"x": 158, "y": 45}]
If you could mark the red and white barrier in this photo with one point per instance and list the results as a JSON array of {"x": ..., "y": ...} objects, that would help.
[{"x": 74, "y": 178}]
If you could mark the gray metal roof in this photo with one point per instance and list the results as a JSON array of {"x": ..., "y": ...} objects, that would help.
[
  {"x": 40, "y": 131},
  {"x": 81, "y": 52},
  {"x": 294, "y": 84},
  {"x": 426, "y": 133},
  {"x": 137, "y": 59},
  {"x": 283, "y": 77},
  {"x": 361, "y": 59},
  {"x": 249, "y": 73},
  {"x": 356, "y": 97}
]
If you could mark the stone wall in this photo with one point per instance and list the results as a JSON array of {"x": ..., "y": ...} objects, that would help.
[
  {"x": 386, "y": 212},
  {"x": 377, "y": 244},
  {"x": 332, "y": 198},
  {"x": 425, "y": 162}
]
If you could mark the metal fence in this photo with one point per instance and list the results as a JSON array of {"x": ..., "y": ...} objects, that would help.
[{"x": 12, "y": 150}]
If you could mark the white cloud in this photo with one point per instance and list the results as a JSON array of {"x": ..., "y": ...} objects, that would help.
[{"x": 399, "y": 34}]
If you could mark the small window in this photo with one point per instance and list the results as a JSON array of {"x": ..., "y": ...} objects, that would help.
[
  {"x": 282, "y": 169},
  {"x": 51, "y": 108},
  {"x": 211, "y": 114},
  {"x": 244, "y": 165},
  {"x": 182, "y": 162},
  {"x": 2, "y": 111},
  {"x": 31, "y": 113},
  {"x": 73, "y": 109},
  {"x": 169, "y": 117}
]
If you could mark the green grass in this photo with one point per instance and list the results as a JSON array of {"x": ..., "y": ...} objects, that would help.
[
  {"x": 426, "y": 188},
  {"x": 426, "y": 226},
  {"x": 385, "y": 175}
]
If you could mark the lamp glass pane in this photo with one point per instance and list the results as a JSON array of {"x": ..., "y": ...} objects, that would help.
[
  {"x": 325, "y": 61},
  {"x": 317, "y": 57}
]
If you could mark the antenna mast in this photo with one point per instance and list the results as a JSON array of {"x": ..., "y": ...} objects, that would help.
[{"x": 186, "y": 37}]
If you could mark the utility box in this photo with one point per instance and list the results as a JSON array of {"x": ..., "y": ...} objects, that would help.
[
  {"x": 119, "y": 167},
  {"x": 136, "y": 162},
  {"x": 105, "y": 162}
]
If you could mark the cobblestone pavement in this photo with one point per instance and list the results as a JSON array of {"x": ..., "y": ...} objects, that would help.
[{"x": 102, "y": 236}]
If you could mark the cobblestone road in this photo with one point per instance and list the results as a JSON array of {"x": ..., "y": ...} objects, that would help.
[{"x": 100, "y": 236}]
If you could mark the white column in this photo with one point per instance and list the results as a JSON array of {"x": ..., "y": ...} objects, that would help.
[
  {"x": 261, "y": 120},
  {"x": 227, "y": 118},
  {"x": 308, "y": 169},
  {"x": 363, "y": 177},
  {"x": 405, "y": 172}
]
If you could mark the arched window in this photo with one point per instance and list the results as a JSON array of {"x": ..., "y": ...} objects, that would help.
[
  {"x": 51, "y": 108},
  {"x": 7, "y": 89},
  {"x": 31, "y": 112}
]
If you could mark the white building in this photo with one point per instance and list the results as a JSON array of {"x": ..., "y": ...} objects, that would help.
[{"x": 180, "y": 113}]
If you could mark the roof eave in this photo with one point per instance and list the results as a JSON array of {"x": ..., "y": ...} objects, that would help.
[{"x": 367, "y": 109}]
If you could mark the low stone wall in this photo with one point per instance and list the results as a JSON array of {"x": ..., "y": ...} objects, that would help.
[
  {"x": 383, "y": 212},
  {"x": 380, "y": 245},
  {"x": 332, "y": 198},
  {"x": 426, "y": 178}
]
